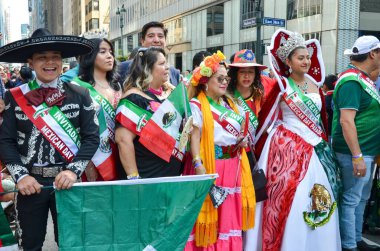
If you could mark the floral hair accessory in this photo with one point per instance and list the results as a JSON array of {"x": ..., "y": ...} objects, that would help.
[
  {"x": 288, "y": 45},
  {"x": 209, "y": 66}
]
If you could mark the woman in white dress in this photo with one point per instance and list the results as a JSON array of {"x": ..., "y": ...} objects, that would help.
[{"x": 301, "y": 211}]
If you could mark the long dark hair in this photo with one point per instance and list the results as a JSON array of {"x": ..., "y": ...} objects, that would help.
[
  {"x": 87, "y": 65},
  {"x": 257, "y": 87},
  {"x": 141, "y": 68}
]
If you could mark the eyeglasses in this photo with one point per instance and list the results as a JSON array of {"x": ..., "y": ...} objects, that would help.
[{"x": 220, "y": 79}]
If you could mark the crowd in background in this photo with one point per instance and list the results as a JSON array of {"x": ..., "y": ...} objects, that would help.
[{"x": 289, "y": 150}]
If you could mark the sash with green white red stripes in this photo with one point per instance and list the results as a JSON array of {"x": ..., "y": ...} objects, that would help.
[
  {"x": 134, "y": 118},
  {"x": 105, "y": 158},
  {"x": 50, "y": 121},
  {"x": 304, "y": 108},
  {"x": 254, "y": 122},
  {"x": 228, "y": 119},
  {"x": 365, "y": 82}
]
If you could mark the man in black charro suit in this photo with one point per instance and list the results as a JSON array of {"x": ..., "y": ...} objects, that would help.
[{"x": 32, "y": 148}]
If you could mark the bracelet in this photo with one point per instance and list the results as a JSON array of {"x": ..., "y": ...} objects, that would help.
[
  {"x": 133, "y": 176},
  {"x": 357, "y": 156},
  {"x": 197, "y": 158},
  {"x": 196, "y": 165},
  {"x": 357, "y": 159}
]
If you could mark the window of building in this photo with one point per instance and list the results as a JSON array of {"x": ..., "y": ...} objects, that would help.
[
  {"x": 316, "y": 35},
  {"x": 130, "y": 43},
  {"x": 90, "y": 6},
  {"x": 215, "y": 20},
  {"x": 86, "y": 26},
  {"x": 370, "y": 6},
  {"x": 214, "y": 49},
  {"x": 303, "y": 8},
  {"x": 86, "y": 9},
  {"x": 96, "y": 4},
  {"x": 93, "y": 24},
  {"x": 249, "y": 12}
]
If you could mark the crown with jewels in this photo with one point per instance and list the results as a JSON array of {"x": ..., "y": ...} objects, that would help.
[{"x": 288, "y": 45}]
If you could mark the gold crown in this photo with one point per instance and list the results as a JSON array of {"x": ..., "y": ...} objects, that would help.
[{"x": 288, "y": 45}]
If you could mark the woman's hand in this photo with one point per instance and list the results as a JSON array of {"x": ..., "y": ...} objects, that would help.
[
  {"x": 200, "y": 170},
  {"x": 241, "y": 142}
]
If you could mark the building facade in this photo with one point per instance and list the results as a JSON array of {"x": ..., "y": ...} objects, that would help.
[
  {"x": 3, "y": 38},
  {"x": 231, "y": 25}
]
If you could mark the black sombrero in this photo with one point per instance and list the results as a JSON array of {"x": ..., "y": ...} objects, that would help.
[{"x": 42, "y": 40}]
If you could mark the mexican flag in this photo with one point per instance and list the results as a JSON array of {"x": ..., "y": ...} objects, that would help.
[
  {"x": 145, "y": 214},
  {"x": 161, "y": 132},
  {"x": 105, "y": 157},
  {"x": 7, "y": 239}
]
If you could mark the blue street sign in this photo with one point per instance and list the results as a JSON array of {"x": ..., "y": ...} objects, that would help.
[{"x": 274, "y": 21}]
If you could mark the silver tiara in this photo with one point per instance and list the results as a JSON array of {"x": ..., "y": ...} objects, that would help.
[{"x": 287, "y": 46}]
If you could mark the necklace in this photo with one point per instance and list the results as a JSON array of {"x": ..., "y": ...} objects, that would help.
[
  {"x": 303, "y": 87},
  {"x": 156, "y": 92}
]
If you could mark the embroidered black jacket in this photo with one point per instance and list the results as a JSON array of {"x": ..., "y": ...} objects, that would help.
[{"x": 22, "y": 145}]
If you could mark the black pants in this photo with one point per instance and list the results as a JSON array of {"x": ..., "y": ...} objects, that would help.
[{"x": 33, "y": 213}]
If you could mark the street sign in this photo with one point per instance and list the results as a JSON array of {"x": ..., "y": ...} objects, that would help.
[
  {"x": 274, "y": 21},
  {"x": 249, "y": 22}
]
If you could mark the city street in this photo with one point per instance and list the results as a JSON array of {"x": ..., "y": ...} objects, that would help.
[{"x": 246, "y": 123}]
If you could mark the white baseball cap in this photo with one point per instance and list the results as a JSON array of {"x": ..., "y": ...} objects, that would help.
[{"x": 363, "y": 45}]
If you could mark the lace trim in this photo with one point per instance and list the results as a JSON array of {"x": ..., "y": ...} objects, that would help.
[
  {"x": 78, "y": 166},
  {"x": 16, "y": 170},
  {"x": 222, "y": 236},
  {"x": 69, "y": 107},
  {"x": 232, "y": 190},
  {"x": 31, "y": 147},
  {"x": 232, "y": 233}
]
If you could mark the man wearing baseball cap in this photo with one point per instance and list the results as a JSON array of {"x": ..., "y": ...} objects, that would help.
[{"x": 355, "y": 136}]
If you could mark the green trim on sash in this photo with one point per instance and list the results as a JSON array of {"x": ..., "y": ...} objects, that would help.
[
  {"x": 367, "y": 87},
  {"x": 58, "y": 116},
  {"x": 142, "y": 114},
  {"x": 225, "y": 112},
  {"x": 306, "y": 100},
  {"x": 97, "y": 97},
  {"x": 252, "y": 116}
]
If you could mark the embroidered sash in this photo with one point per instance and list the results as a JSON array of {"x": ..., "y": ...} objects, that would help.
[
  {"x": 358, "y": 76},
  {"x": 134, "y": 118},
  {"x": 50, "y": 121},
  {"x": 304, "y": 108},
  {"x": 228, "y": 119},
  {"x": 254, "y": 122},
  {"x": 105, "y": 158}
]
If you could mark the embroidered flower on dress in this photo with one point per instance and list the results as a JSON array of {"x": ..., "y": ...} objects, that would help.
[
  {"x": 218, "y": 152},
  {"x": 153, "y": 106}
]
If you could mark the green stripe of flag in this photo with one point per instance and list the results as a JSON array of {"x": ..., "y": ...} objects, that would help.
[{"x": 130, "y": 215}]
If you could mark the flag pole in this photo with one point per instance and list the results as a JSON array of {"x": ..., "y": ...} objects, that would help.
[{"x": 184, "y": 102}]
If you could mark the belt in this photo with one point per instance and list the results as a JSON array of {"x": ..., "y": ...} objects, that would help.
[
  {"x": 226, "y": 152},
  {"x": 46, "y": 171}
]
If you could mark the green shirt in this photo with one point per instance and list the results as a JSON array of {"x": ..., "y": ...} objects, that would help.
[{"x": 351, "y": 95}]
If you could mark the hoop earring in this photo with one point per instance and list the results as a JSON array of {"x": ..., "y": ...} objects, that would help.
[{"x": 206, "y": 87}]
